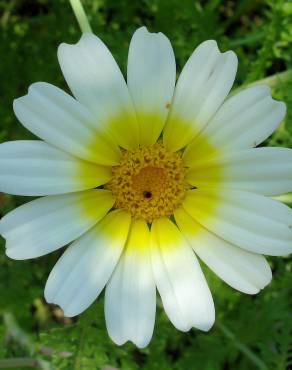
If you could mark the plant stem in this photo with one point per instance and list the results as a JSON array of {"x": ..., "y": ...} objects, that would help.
[
  {"x": 14, "y": 331},
  {"x": 80, "y": 16},
  {"x": 17, "y": 333},
  {"x": 285, "y": 198},
  {"x": 17, "y": 363},
  {"x": 242, "y": 347},
  {"x": 84, "y": 324},
  {"x": 249, "y": 39},
  {"x": 274, "y": 79},
  {"x": 7, "y": 13}
]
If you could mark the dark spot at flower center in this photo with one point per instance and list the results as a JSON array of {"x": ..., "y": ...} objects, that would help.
[{"x": 147, "y": 194}]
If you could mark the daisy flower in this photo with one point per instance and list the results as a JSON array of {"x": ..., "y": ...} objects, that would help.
[{"x": 143, "y": 177}]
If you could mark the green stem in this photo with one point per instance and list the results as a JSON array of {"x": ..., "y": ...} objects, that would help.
[
  {"x": 14, "y": 331},
  {"x": 7, "y": 13},
  {"x": 242, "y": 347},
  {"x": 80, "y": 16},
  {"x": 285, "y": 198},
  {"x": 247, "y": 40},
  {"x": 273, "y": 80},
  {"x": 17, "y": 363},
  {"x": 84, "y": 323}
]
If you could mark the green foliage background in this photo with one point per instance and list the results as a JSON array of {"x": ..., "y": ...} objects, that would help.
[{"x": 251, "y": 332}]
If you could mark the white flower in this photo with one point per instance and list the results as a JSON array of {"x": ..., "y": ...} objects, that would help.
[{"x": 176, "y": 172}]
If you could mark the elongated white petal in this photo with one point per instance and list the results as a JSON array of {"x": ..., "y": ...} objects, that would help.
[
  {"x": 83, "y": 270},
  {"x": 130, "y": 296},
  {"x": 248, "y": 220},
  {"x": 202, "y": 87},
  {"x": 60, "y": 120},
  {"x": 245, "y": 271},
  {"x": 46, "y": 224},
  {"x": 267, "y": 171},
  {"x": 33, "y": 167},
  {"x": 181, "y": 284},
  {"x": 97, "y": 82},
  {"x": 244, "y": 121},
  {"x": 151, "y": 80}
]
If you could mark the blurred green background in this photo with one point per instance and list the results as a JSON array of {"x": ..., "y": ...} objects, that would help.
[{"x": 251, "y": 332}]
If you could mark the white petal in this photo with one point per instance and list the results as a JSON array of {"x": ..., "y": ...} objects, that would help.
[
  {"x": 46, "y": 224},
  {"x": 245, "y": 271},
  {"x": 244, "y": 121},
  {"x": 130, "y": 296},
  {"x": 181, "y": 284},
  {"x": 83, "y": 270},
  {"x": 248, "y": 220},
  {"x": 60, "y": 120},
  {"x": 33, "y": 167},
  {"x": 202, "y": 87},
  {"x": 97, "y": 82},
  {"x": 151, "y": 80},
  {"x": 267, "y": 171}
]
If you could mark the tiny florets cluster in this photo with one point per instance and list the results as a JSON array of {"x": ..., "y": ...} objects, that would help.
[{"x": 149, "y": 182}]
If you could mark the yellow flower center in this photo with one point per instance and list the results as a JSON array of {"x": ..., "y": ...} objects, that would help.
[{"x": 149, "y": 182}]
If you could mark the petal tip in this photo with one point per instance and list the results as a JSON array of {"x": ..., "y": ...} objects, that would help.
[
  {"x": 210, "y": 43},
  {"x": 265, "y": 88},
  {"x": 207, "y": 325},
  {"x": 70, "y": 313},
  {"x": 48, "y": 295},
  {"x": 282, "y": 107},
  {"x": 118, "y": 341},
  {"x": 144, "y": 32},
  {"x": 231, "y": 58},
  {"x": 12, "y": 253},
  {"x": 1, "y": 223},
  {"x": 141, "y": 343},
  {"x": 16, "y": 102},
  {"x": 141, "y": 29}
]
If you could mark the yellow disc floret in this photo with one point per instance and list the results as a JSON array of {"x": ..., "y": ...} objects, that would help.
[{"x": 149, "y": 182}]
